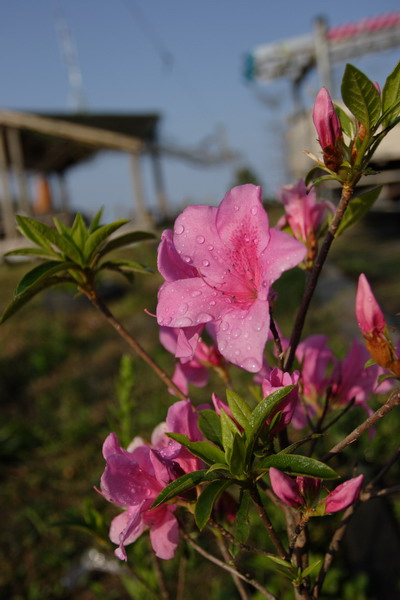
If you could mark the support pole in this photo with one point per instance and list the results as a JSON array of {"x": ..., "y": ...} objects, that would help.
[
  {"x": 17, "y": 163},
  {"x": 162, "y": 201},
  {"x": 8, "y": 216},
  {"x": 142, "y": 218},
  {"x": 322, "y": 53}
]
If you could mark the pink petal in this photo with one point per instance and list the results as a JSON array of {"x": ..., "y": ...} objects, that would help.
[
  {"x": 188, "y": 302},
  {"x": 169, "y": 263},
  {"x": 164, "y": 535},
  {"x": 282, "y": 253},
  {"x": 242, "y": 214},
  {"x": 369, "y": 315},
  {"x": 125, "y": 529},
  {"x": 344, "y": 495},
  {"x": 242, "y": 334},
  {"x": 285, "y": 488}
]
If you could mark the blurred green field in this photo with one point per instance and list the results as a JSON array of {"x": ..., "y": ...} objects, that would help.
[{"x": 59, "y": 372}]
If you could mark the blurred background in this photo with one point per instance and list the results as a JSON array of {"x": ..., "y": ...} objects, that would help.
[{"x": 143, "y": 108}]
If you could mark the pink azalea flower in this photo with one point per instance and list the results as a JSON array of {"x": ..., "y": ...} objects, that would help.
[
  {"x": 275, "y": 381},
  {"x": 304, "y": 214},
  {"x": 369, "y": 315},
  {"x": 219, "y": 267},
  {"x": 133, "y": 479},
  {"x": 326, "y": 120},
  {"x": 304, "y": 493}
]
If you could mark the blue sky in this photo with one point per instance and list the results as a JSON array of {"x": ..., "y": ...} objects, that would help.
[{"x": 180, "y": 58}]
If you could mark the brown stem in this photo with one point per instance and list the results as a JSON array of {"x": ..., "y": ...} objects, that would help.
[
  {"x": 347, "y": 192},
  {"x": 180, "y": 588},
  {"x": 267, "y": 523},
  {"x": 277, "y": 339},
  {"x": 160, "y": 578},
  {"x": 228, "y": 535},
  {"x": 228, "y": 567},
  {"x": 103, "y": 308},
  {"x": 391, "y": 402},
  {"x": 346, "y": 409},
  {"x": 236, "y": 580}
]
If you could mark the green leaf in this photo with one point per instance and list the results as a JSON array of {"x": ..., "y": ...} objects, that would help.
[
  {"x": 242, "y": 521},
  {"x": 219, "y": 467},
  {"x": 240, "y": 410},
  {"x": 50, "y": 236},
  {"x": 95, "y": 224},
  {"x": 229, "y": 430},
  {"x": 258, "y": 417},
  {"x": 209, "y": 453},
  {"x": 361, "y": 96},
  {"x": 391, "y": 95},
  {"x": 96, "y": 238},
  {"x": 310, "y": 569},
  {"x": 79, "y": 232},
  {"x": 126, "y": 240},
  {"x": 370, "y": 363},
  {"x": 179, "y": 486},
  {"x": 295, "y": 464},
  {"x": 25, "y": 227},
  {"x": 237, "y": 456},
  {"x": 62, "y": 228},
  {"x": 41, "y": 271},
  {"x": 129, "y": 275},
  {"x": 37, "y": 252},
  {"x": 126, "y": 265},
  {"x": 347, "y": 124},
  {"x": 206, "y": 500},
  {"x": 385, "y": 377},
  {"x": 357, "y": 208},
  {"x": 210, "y": 426},
  {"x": 281, "y": 562},
  {"x": 295, "y": 445},
  {"x": 20, "y": 300},
  {"x": 310, "y": 175}
]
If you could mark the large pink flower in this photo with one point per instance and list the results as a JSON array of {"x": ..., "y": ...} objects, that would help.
[{"x": 220, "y": 265}]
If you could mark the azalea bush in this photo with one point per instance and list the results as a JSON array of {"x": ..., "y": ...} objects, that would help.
[{"x": 256, "y": 470}]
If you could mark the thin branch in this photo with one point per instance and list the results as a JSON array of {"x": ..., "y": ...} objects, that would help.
[
  {"x": 391, "y": 402},
  {"x": 277, "y": 339},
  {"x": 180, "y": 587},
  {"x": 228, "y": 567},
  {"x": 347, "y": 192},
  {"x": 246, "y": 547},
  {"x": 384, "y": 469},
  {"x": 164, "y": 594},
  {"x": 267, "y": 523},
  {"x": 103, "y": 308},
  {"x": 346, "y": 409},
  {"x": 236, "y": 580}
]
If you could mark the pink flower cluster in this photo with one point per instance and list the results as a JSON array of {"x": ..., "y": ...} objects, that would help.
[
  {"x": 305, "y": 493},
  {"x": 133, "y": 478},
  {"x": 219, "y": 265}
]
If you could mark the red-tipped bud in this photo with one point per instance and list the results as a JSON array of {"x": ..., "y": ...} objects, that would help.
[{"x": 328, "y": 129}]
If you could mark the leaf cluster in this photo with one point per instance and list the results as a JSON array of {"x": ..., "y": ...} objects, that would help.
[{"x": 73, "y": 254}]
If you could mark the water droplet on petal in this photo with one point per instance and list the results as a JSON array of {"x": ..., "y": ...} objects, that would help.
[
  {"x": 206, "y": 263},
  {"x": 167, "y": 321},
  {"x": 200, "y": 239},
  {"x": 251, "y": 364},
  {"x": 222, "y": 346},
  {"x": 204, "y": 318},
  {"x": 212, "y": 303},
  {"x": 265, "y": 283},
  {"x": 195, "y": 293},
  {"x": 225, "y": 326},
  {"x": 210, "y": 247},
  {"x": 183, "y": 322},
  {"x": 257, "y": 326},
  {"x": 236, "y": 333},
  {"x": 236, "y": 207},
  {"x": 179, "y": 229},
  {"x": 183, "y": 308},
  {"x": 254, "y": 210},
  {"x": 237, "y": 352},
  {"x": 187, "y": 259}
]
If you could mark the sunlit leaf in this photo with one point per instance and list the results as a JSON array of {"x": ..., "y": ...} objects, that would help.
[
  {"x": 361, "y": 96},
  {"x": 206, "y": 501},
  {"x": 295, "y": 464}
]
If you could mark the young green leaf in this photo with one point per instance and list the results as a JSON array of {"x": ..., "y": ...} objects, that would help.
[
  {"x": 126, "y": 240},
  {"x": 95, "y": 224},
  {"x": 36, "y": 252},
  {"x": 295, "y": 445},
  {"x": 229, "y": 430},
  {"x": 31, "y": 233},
  {"x": 310, "y": 569},
  {"x": 346, "y": 123},
  {"x": 240, "y": 410},
  {"x": 258, "y": 417},
  {"x": 209, "y": 453},
  {"x": 206, "y": 501},
  {"x": 237, "y": 456},
  {"x": 242, "y": 521},
  {"x": 42, "y": 271},
  {"x": 358, "y": 208},
  {"x": 361, "y": 96},
  {"x": 95, "y": 239},
  {"x": 210, "y": 426},
  {"x": 295, "y": 464},
  {"x": 179, "y": 486},
  {"x": 79, "y": 232},
  {"x": 126, "y": 265},
  {"x": 50, "y": 236},
  {"x": 24, "y": 297},
  {"x": 391, "y": 95}
]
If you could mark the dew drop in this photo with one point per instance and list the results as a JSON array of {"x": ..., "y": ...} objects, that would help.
[
  {"x": 204, "y": 318},
  {"x": 257, "y": 326},
  {"x": 254, "y": 210},
  {"x": 237, "y": 352},
  {"x": 236, "y": 333},
  {"x": 225, "y": 326},
  {"x": 179, "y": 229},
  {"x": 211, "y": 247},
  {"x": 183, "y": 308},
  {"x": 222, "y": 346},
  {"x": 251, "y": 364},
  {"x": 200, "y": 239},
  {"x": 236, "y": 207},
  {"x": 212, "y": 303},
  {"x": 183, "y": 322},
  {"x": 206, "y": 263},
  {"x": 265, "y": 283},
  {"x": 195, "y": 294},
  {"x": 187, "y": 259},
  {"x": 167, "y": 321}
]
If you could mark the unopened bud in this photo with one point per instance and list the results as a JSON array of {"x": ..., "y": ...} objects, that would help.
[{"x": 328, "y": 129}]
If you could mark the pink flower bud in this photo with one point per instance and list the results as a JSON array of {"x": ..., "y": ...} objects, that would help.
[
  {"x": 344, "y": 495},
  {"x": 369, "y": 315},
  {"x": 326, "y": 120},
  {"x": 285, "y": 488}
]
